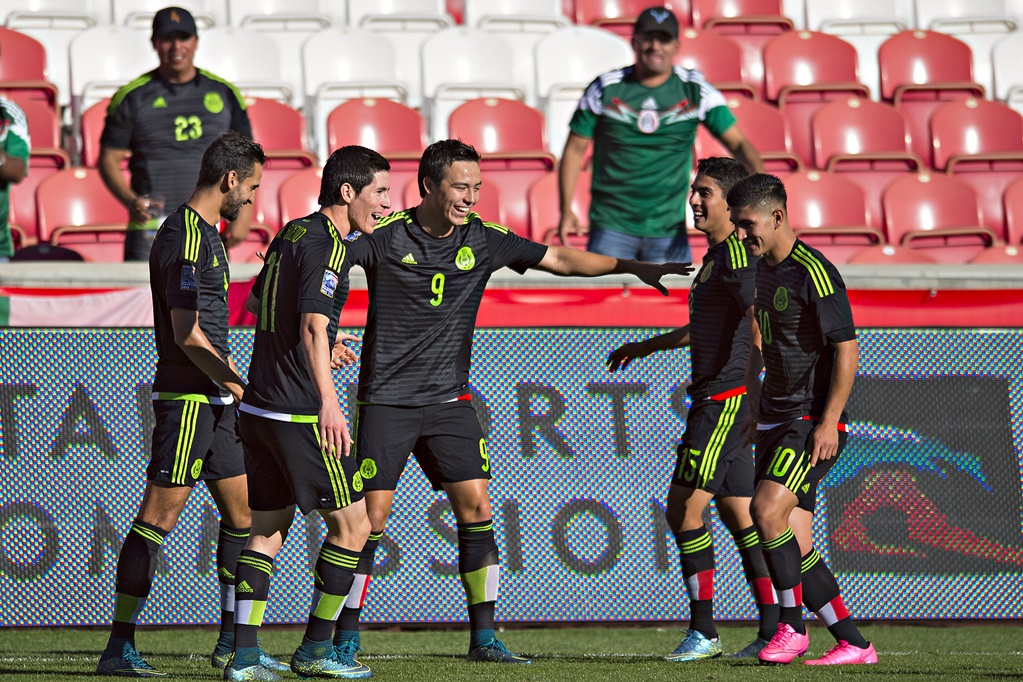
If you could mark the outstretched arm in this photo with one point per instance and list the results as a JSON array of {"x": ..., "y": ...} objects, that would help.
[
  {"x": 742, "y": 149},
  {"x": 565, "y": 261},
  {"x": 622, "y": 356},
  {"x": 825, "y": 436}
]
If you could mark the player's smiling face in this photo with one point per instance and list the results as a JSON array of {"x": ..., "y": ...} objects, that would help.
[
  {"x": 457, "y": 193},
  {"x": 655, "y": 51},
  {"x": 710, "y": 212},
  {"x": 371, "y": 204},
  {"x": 759, "y": 227},
  {"x": 241, "y": 194},
  {"x": 176, "y": 52}
]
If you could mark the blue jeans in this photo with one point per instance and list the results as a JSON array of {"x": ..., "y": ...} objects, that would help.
[{"x": 674, "y": 249}]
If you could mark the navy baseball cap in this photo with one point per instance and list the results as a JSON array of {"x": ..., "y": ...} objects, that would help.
[
  {"x": 173, "y": 19},
  {"x": 659, "y": 19}
]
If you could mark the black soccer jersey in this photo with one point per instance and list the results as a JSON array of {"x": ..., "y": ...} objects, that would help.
[
  {"x": 188, "y": 270},
  {"x": 424, "y": 293},
  {"x": 801, "y": 308},
  {"x": 168, "y": 126},
  {"x": 719, "y": 297},
  {"x": 306, "y": 271}
]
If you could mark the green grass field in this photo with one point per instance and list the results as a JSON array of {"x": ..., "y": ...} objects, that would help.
[{"x": 980, "y": 652}]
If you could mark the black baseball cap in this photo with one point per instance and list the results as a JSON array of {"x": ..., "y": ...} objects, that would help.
[
  {"x": 174, "y": 19},
  {"x": 659, "y": 19}
]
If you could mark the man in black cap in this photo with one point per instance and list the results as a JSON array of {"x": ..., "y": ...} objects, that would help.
[
  {"x": 161, "y": 123},
  {"x": 642, "y": 120}
]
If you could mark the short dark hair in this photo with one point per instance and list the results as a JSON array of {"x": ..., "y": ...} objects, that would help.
[
  {"x": 232, "y": 151},
  {"x": 439, "y": 156},
  {"x": 723, "y": 170},
  {"x": 353, "y": 165},
  {"x": 758, "y": 191}
]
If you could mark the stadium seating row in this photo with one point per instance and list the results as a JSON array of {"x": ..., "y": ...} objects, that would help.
[{"x": 933, "y": 213}]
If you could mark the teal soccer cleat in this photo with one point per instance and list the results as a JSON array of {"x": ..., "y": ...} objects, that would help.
[
  {"x": 494, "y": 652},
  {"x": 123, "y": 660},
  {"x": 222, "y": 653},
  {"x": 695, "y": 646},
  {"x": 328, "y": 661},
  {"x": 751, "y": 650},
  {"x": 253, "y": 672}
]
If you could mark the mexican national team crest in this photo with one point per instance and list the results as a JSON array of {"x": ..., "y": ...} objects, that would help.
[
  {"x": 213, "y": 103},
  {"x": 466, "y": 259},
  {"x": 329, "y": 285},
  {"x": 649, "y": 119},
  {"x": 781, "y": 299},
  {"x": 705, "y": 275}
]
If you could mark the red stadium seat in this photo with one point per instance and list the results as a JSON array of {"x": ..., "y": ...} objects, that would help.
[
  {"x": 93, "y": 120},
  {"x": 888, "y": 254},
  {"x": 802, "y": 72},
  {"x": 43, "y": 124},
  {"x": 23, "y": 68},
  {"x": 393, "y": 129},
  {"x": 75, "y": 210},
  {"x": 981, "y": 143},
  {"x": 41, "y": 165},
  {"x": 1012, "y": 202},
  {"x": 937, "y": 213},
  {"x": 866, "y": 142},
  {"x": 510, "y": 137},
  {"x": 299, "y": 194},
  {"x": 488, "y": 205},
  {"x": 544, "y": 209},
  {"x": 920, "y": 70},
  {"x": 764, "y": 126},
  {"x": 829, "y": 212},
  {"x": 718, "y": 58},
  {"x": 1003, "y": 254},
  {"x": 618, "y": 16},
  {"x": 751, "y": 23}
]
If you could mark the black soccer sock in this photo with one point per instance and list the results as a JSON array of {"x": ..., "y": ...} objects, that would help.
[
  {"x": 136, "y": 566},
  {"x": 782, "y": 557},
  {"x": 480, "y": 572},
  {"x": 333, "y": 577},
  {"x": 230, "y": 543},
  {"x": 252, "y": 585},
  {"x": 754, "y": 567},
  {"x": 696, "y": 549},
  {"x": 348, "y": 623},
  {"x": 821, "y": 595}
]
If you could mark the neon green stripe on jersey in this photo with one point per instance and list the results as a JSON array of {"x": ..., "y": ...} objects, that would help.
[
  {"x": 194, "y": 397},
  {"x": 119, "y": 96},
  {"x": 737, "y": 252},
  {"x": 494, "y": 226},
  {"x": 235, "y": 91},
  {"x": 193, "y": 237},
  {"x": 393, "y": 218},
  {"x": 817, "y": 272}
]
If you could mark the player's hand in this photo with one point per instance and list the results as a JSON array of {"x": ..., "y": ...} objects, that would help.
[
  {"x": 341, "y": 355},
  {"x": 334, "y": 437},
  {"x": 569, "y": 224},
  {"x": 621, "y": 357},
  {"x": 651, "y": 273},
  {"x": 823, "y": 443}
]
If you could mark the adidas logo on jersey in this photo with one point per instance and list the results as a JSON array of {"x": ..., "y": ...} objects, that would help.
[
  {"x": 243, "y": 586},
  {"x": 409, "y": 260},
  {"x": 216, "y": 261},
  {"x": 160, "y": 103}
]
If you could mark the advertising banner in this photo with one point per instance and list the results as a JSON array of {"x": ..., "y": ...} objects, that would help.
[{"x": 922, "y": 517}]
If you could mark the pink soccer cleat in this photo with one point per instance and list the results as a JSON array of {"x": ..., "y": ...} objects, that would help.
[
  {"x": 845, "y": 653},
  {"x": 786, "y": 645}
]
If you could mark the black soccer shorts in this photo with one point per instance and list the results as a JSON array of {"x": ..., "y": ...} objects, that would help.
[
  {"x": 192, "y": 441},
  {"x": 783, "y": 457},
  {"x": 286, "y": 466},
  {"x": 446, "y": 440},
  {"x": 712, "y": 455}
]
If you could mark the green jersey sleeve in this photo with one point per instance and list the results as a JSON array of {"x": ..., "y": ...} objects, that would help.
[
  {"x": 591, "y": 106},
  {"x": 14, "y": 138}
]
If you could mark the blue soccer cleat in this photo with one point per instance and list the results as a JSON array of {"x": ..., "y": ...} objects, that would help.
[
  {"x": 494, "y": 652},
  {"x": 328, "y": 661},
  {"x": 222, "y": 653},
  {"x": 252, "y": 672},
  {"x": 695, "y": 646},
  {"x": 122, "y": 660},
  {"x": 751, "y": 650}
]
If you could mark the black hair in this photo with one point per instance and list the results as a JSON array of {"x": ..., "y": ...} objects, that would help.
[
  {"x": 758, "y": 191},
  {"x": 352, "y": 165},
  {"x": 439, "y": 156},
  {"x": 723, "y": 170},
  {"x": 232, "y": 151}
]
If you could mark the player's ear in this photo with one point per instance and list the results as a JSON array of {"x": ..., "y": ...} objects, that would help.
[
  {"x": 230, "y": 181},
  {"x": 347, "y": 193},
  {"x": 778, "y": 216},
  {"x": 428, "y": 186}
]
